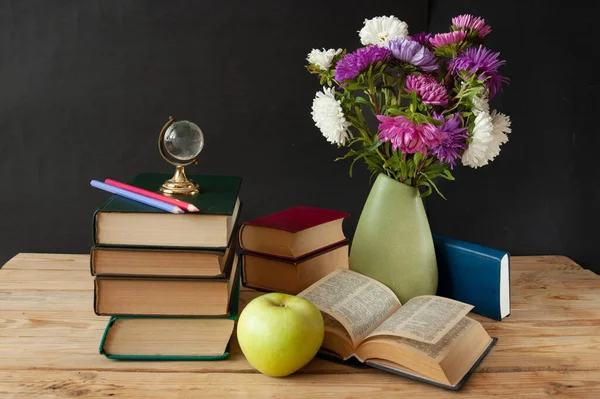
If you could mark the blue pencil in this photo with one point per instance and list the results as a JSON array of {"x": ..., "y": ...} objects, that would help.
[{"x": 136, "y": 197}]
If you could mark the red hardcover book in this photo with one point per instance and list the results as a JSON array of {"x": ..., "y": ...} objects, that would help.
[
  {"x": 270, "y": 273},
  {"x": 293, "y": 233}
]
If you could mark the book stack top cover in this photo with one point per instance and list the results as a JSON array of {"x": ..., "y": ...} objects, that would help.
[
  {"x": 126, "y": 223},
  {"x": 217, "y": 196}
]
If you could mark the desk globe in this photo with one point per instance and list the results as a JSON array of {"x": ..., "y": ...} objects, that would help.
[{"x": 180, "y": 143}]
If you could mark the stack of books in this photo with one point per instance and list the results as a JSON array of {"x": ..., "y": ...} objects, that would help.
[
  {"x": 288, "y": 251},
  {"x": 170, "y": 281}
]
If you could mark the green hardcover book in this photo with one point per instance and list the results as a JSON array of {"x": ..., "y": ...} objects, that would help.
[
  {"x": 167, "y": 338},
  {"x": 126, "y": 223}
]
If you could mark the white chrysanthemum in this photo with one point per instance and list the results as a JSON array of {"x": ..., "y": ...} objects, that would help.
[
  {"x": 322, "y": 58},
  {"x": 380, "y": 30},
  {"x": 480, "y": 104},
  {"x": 500, "y": 129},
  {"x": 476, "y": 155},
  {"x": 329, "y": 117}
]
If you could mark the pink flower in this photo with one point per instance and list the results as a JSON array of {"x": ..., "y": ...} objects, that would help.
[
  {"x": 407, "y": 136},
  {"x": 428, "y": 88},
  {"x": 430, "y": 134},
  {"x": 446, "y": 39},
  {"x": 476, "y": 24}
]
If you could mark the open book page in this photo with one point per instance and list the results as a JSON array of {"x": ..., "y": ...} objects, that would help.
[
  {"x": 424, "y": 318},
  {"x": 334, "y": 326},
  {"x": 439, "y": 350},
  {"x": 358, "y": 302}
]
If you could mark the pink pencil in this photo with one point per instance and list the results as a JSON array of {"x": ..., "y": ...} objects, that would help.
[{"x": 156, "y": 196}]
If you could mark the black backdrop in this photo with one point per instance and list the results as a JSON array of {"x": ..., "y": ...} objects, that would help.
[{"x": 85, "y": 87}]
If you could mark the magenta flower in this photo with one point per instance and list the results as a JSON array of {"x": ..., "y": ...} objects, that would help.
[
  {"x": 481, "y": 61},
  {"x": 449, "y": 150},
  {"x": 407, "y": 136},
  {"x": 422, "y": 38},
  {"x": 476, "y": 24},
  {"x": 413, "y": 53},
  {"x": 354, "y": 63},
  {"x": 428, "y": 89},
  {"x": 446, "y": 39}
]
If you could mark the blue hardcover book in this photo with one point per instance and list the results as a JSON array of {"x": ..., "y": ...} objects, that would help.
[{"x": 474, "y": 274}]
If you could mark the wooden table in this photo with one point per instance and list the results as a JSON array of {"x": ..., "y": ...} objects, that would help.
[{"x": 49, "y": 335}]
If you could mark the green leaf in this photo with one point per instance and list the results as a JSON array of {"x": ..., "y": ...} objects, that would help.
[
  {"x": 433, "y": 185},
  {"x": 373, "y": 174},
  {"x": 395, "y": 112},
  {"x": 348, "y": 155},
  {"x": 410, "y": 168},
  {"x": 374, "y": 165},
  {"x": 388, "y": 164},
  {"x": 374, "y": 146},
  {"x": 414, "y": 99},
  {"x": 427, "y": 192},
  {"x": 418, "y": 158},
  {"x": 448, "y": 174},
  {"x": 353, "y": 162},
  {"x": 362, "y": 100},
  {"x": 403, "y": 168},
  {"x": 434, "y": 168}
]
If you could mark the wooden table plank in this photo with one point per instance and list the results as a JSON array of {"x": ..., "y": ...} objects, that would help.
[
  {"x": 77, "y": 349},
  {"x": 49, "y": 336},
  {"x": 57, "y": 383},
  {"x": 40, "y": 261},
  {"x": 543, "y": 263},
  {"x": 33, "y": 261}
]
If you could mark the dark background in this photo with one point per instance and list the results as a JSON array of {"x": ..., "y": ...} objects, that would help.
[{"x": 85, "y": 87}]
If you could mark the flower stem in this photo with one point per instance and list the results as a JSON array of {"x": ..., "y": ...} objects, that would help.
[
  {"x": 404, "y": 161},
  {"x": 419, "y": 170},
  {"x": 374, "y": 101},
  {"x": 381, "y": 155},
  {"x": 448, "y": 74}
]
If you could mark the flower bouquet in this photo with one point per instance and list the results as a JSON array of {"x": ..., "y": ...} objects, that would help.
[
  {"x": 429, "y": 93},
  {"x": 429, "y": 97}
]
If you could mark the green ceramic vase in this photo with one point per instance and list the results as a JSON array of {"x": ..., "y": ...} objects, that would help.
[{"x": 393, "y": 242}]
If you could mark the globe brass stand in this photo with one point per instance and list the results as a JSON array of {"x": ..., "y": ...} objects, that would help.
[{"x": 179, "y": 184}]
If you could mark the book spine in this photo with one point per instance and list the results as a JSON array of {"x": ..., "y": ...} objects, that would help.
[
  {"x": 225, "y": 355},
  {"x": 104, "y": 335},
  {"x": 96, "y": 298},
  {"x": 240, "y": 243},
  {"x": 92, "y": 261},
  {"x": 94, "y": 228},
  {"x": 299, "y": 259}
]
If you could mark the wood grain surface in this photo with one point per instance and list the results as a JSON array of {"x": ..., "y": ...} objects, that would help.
[{"x": 49, "y": 336}]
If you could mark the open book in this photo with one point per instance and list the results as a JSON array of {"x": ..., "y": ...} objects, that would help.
[{"x": 429, "y": 338}]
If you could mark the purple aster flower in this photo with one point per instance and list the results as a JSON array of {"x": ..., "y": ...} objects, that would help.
[
  {"x": 413, "y": 53},
  {"x": 354, "y": 63},
  {"x": 448, "y": 151},
  {"x": 446, "y": 39},
  {"x": 482, "y": 61},
  {"x": 476, "y": 24},
  {"x": 407, "y": 136},
  {"x": 422, "y": 38},
  {"x": 428, "y": 89}
]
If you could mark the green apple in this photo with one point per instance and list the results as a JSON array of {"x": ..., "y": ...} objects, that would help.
[{"x": 280, "y": 333}]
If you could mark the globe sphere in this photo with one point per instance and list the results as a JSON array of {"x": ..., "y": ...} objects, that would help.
[{"x": 183, "y": 140}]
